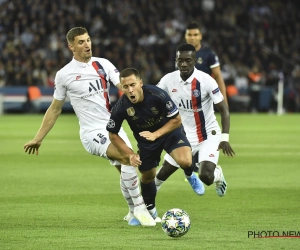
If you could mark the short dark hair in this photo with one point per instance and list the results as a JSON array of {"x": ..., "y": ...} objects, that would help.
[
  {"x": 130, "y": 71},
  {"x": 76, "y": 31},
  {"x": 193, "y": 25},
  {"x": 186, "y": 47}
]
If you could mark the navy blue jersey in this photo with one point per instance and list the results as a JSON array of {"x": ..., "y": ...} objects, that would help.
[
  {"x": 206, "y": 59},
  {"x": 149, "y": 115}
]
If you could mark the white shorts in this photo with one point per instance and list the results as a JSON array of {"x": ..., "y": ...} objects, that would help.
[
  {"x": 96, "y": 143},
  {"x": 207, "y": 151}
]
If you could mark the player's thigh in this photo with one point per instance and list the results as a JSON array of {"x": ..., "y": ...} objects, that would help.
[
  {"x": 150, "y": 157},
  {"x": 114, "y": 154},
  {"x": 97, "y": 143},
  {"x": 178, "y": 146},
  {"x": 182, "y": 156},
  {"x": 207, "y": 150},
  {"x": 148, "y": 176}
]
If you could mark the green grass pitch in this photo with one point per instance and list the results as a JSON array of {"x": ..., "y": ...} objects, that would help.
[{"x": 67, "y": 199}]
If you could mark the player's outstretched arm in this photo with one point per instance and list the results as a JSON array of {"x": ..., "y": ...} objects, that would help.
[
  {"x": 225, "y": 121},
  {"x": 119, "y": 143},
  {"x": 50, "y": 117}
]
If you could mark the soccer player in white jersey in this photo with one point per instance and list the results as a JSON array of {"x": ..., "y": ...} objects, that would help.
[
  {"x": 194, "y": 92},
  {"x": 86, "y": 81}
]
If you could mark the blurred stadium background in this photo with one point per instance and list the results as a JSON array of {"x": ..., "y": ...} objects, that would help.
[{"x": 251, "y": 37}]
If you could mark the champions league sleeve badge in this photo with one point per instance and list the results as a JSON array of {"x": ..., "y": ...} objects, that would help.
[
  {"x": 169, "y": 105},
  {"x": 111, "y": 123},
  {"x": 215, "y": 91}
]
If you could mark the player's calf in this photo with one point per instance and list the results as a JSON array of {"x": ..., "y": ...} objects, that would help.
[{"x": 207, "y": 175}]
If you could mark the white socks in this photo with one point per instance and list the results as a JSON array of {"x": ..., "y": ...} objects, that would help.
[
  {"x": 131, "y": 182},
  {"x": 218, "y": 175},
  {"x": 126, "y": 195}
]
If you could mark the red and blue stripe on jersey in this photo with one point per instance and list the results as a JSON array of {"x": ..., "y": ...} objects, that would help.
[
  {"x": 198, "y": 116},
  {"x": 101, "y": 72}
]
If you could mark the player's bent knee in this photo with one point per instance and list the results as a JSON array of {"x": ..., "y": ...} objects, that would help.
[
  {"x": 128, "y": 169},
  {"x": 185, "y": 163},
  {"x": 146, "y": 180},
  {"x": 148, "y": 176}
]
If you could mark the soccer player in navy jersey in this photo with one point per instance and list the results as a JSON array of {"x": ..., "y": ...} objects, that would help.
[
  {"x": 156, "y": 124},
  {"x": 195, "y": 92},
  {"x": 206, "y": 59},
  {"x": 86, "y": 81}
]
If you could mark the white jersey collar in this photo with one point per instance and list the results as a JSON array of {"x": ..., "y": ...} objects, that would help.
[
  {"x": 82, "y": 64},
  {"x": 190, "y": 79}
]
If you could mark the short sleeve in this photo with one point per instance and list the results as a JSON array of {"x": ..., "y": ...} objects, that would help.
[
  {"x": 113, "y": 73},
  {"x": 60, "y": 90},
  {"x": 169, "y": 107},
  {"x": 214, "y": 91},
  {"x": 163, "y": 84},
  {"x": 213, "y": 60},
  {"x": 116, "y": 118}
]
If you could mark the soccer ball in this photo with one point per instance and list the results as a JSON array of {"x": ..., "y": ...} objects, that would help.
[{"x": 175, "y": 222}]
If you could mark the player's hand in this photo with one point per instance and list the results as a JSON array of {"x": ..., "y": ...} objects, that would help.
[
  {"x": 134, "y": 160},
  {"x": 32, "y": 147},
  {"x": 148, "y": 135},
  {"x": 226, "y": 148}
]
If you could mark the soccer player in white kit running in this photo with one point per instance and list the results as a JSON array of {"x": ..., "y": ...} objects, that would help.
[
  {"x": 194, "y": 92},
  {"x": 86, "y": 81}
]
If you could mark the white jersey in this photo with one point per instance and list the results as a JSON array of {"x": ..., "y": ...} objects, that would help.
[
  {"x": 194, "y": 99},
  {"x": 87, "y": 85}
]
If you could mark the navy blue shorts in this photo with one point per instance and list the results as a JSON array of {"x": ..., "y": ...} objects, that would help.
[{"x": 150, "y": 155}]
